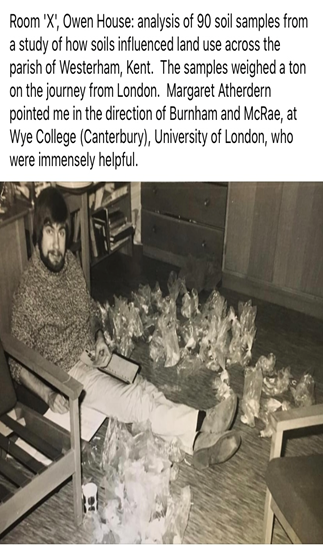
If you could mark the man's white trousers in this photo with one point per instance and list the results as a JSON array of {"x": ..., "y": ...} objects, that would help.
[{"x": 137, "y": 402}]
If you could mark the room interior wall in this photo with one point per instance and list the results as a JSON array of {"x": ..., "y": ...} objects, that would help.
[{"x": 274, "y": 242}]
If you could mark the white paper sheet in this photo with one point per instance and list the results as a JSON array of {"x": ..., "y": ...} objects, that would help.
[{"x": 91, "y": 420}]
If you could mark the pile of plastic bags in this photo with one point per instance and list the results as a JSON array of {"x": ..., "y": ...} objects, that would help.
[
  {"x": 122, "y": 325},
  {"x": 263, "y": 382},
  {"x": 179, "y": 330},
  {"x": 137, "y": 505},
  {"x": 183, "y": 333}
]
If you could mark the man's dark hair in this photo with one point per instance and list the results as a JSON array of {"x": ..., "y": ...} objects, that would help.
[{"x": 50, "y": 207}]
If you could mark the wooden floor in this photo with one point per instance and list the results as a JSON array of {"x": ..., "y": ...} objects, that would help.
[{"x": 228, "y": 500}]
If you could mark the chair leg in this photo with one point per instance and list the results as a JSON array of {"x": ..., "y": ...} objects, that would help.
[
  {"x": 275, "y": 452},
  {"x": 268, "y": 519},
  {"x": 76, "y": 446},
  {"x": 77, "y": 493}
]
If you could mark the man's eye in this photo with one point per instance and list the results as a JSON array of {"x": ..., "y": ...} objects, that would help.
[
  {"x": 62, "y": 233},
  {"x": 49, "y": 230}
]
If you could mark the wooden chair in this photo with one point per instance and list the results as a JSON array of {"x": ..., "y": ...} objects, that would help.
[
  {"x": 26, "y": 480},
  {"x": 295, "y": 484}
]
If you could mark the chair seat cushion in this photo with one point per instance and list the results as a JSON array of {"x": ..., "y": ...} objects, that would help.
[{"x": 296, "y": 484}]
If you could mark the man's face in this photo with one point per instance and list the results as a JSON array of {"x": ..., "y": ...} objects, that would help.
[{"x": 52, "y": 247}]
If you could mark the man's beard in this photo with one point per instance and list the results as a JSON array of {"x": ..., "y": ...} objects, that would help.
[{"x": 59, "y": 260}]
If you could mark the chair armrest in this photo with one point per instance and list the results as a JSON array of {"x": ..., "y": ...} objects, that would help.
[
  {"x": 297, "y": 418},
  {"x": 40, "y": 366}
]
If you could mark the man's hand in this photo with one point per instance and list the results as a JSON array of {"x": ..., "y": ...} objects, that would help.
[
  {"x": 58, "y": 403},
  {"x": 102, "y": 352}
]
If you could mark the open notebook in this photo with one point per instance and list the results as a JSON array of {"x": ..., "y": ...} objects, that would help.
[{"x": 118, "y": 366}]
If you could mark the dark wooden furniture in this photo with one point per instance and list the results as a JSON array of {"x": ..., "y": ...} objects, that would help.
[
  {"x": 30, "y": 481},
  {"x": 120, "y": 199},
  {"x": 13, "y": 252},
  {"x": 79, "y": 201},
  {"x": 83, "y": 201},
  {"x": 184, "y": 218},
  {"x": 295, "y": 484}
]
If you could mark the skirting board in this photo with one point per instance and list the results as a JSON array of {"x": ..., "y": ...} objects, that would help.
[{"x": 308, "y": 304}]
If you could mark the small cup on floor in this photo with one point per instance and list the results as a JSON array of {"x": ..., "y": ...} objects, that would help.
[{"x": 90, "y": 498}]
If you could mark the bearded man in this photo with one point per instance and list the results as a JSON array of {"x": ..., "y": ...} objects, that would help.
[{"x": 54, "y": 314}]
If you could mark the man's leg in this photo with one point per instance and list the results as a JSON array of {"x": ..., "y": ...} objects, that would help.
[{"x": 137, "y": 402}]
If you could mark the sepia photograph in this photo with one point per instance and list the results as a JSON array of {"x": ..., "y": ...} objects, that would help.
[{"x": 161, "y": 362}]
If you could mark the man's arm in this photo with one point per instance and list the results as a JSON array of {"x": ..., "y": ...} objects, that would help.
[
  {"x": 55, "y": 401},
  {"x": 21, "y": 328}
]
